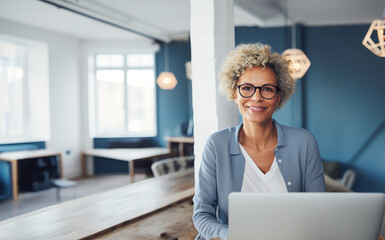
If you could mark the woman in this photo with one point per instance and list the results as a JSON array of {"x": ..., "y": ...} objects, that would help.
[{"x": 259, "y": 155}]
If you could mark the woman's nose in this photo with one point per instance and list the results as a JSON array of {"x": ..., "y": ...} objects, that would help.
[{"x": 257, "y": 96}]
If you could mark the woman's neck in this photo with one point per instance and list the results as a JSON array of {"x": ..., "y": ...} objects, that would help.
[{"x": 258, "y": 135}]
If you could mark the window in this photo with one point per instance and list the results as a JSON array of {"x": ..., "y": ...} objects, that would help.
[
  {"x": 12, "y": 58},
  {"x": 124, "y": 95},
  {"x": 24, "y": 114}
]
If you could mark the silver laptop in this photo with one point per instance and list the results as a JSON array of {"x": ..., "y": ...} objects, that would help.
[{"x": 305, "y": 216}]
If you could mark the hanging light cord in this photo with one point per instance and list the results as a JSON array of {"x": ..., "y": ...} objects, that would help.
[
  {"x": 286, "y": 15},
  {"x": 293, "y": 31},
  {"x": 293, "y": 36},
  {"x": 166, "y": 57}
]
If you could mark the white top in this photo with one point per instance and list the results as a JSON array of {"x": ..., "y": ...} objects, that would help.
[{"x": 254, "y": 180}]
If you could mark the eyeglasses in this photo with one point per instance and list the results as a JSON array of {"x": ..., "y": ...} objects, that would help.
[{"x": 267, "y": 91}]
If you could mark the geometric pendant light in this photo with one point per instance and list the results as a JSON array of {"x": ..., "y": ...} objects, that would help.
[
  {"x": 374, "y": 39},
  {"x": 298, "y": 62}
]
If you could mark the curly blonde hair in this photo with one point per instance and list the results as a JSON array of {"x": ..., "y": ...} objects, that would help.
[{"x": 246, "y": 56}]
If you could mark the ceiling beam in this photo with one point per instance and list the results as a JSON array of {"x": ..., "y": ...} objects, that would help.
[{"x": 89, "y": 13}]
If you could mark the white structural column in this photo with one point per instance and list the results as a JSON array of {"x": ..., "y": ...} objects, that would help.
[{"x": 212, "y": 38}]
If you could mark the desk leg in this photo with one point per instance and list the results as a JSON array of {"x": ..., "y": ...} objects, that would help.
[
  {"x": 60, "y": 165},
  {"x": 15, "y": 189},
  {"x": 84, "y": 165},
  {"x": 181, "y": 149},
  {"x": 132, "y": 171},
  {"x": 170, "y": 146}
]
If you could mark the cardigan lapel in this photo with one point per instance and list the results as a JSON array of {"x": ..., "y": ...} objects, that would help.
[{"x": 237, "y": 161}]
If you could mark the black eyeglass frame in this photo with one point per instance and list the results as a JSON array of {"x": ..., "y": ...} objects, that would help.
[{"x": 259, "y": 88}]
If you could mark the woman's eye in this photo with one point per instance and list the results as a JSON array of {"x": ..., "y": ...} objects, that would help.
[
  {"x": 247, "y": 88},
  {"x": 268, "y": 89}
]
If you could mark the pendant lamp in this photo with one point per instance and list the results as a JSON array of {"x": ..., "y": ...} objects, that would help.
[
  {"x": 299, "y": 63},
  {"x": 166, "y": 80},
  {"x": 374, "y": 39}
]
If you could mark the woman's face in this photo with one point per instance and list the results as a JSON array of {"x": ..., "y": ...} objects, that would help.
[{"x": 256, "y": 108}]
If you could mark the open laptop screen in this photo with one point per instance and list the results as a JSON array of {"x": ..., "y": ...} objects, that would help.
[{"x": 304, "y": 216}]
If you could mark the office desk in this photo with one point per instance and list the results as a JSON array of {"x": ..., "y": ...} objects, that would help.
[
  {"x": 92, "y": 216},
  {"x": 129, "y": 155},
  {"x": 14, "y": 157},
  {"x": 181, "y": 141}
]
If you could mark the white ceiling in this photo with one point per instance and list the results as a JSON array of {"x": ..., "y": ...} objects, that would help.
[{"x": 170, "y": 19}]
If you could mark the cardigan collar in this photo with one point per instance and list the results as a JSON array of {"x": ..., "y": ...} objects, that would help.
[{"x": 234, "y": 144}]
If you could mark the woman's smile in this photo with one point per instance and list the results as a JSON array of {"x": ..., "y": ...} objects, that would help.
[{"x": 256, "y": 108}]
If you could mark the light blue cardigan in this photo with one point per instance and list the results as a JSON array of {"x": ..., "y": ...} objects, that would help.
[{"x": 223, "y": 165}]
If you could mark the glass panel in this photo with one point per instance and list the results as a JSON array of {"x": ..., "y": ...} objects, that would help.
[
  {"x": 109, "y": 60},
  {"x": 110, "y": 101},
  {"x": 11, "y": 90},
  {"x": 140, "y": 60},
  {"x": 141, "y": 101}
]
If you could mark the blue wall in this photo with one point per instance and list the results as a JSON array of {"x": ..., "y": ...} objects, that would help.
[
  {"x": 344, "y": 101},
  {"x": 340, "y": 99},
  {"x": 174, "y": 106}
]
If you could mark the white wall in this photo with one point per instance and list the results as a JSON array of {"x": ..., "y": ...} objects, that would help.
[{"x": 64, "y": 80}]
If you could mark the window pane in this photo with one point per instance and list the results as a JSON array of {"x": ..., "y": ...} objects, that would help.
[
  {"x": 109, "y": 60},
  {"x": 110, "y": 100},
  {"x": 140, "y": 60},
  {"x": 11, "y": 90},
  {"x": 141, "y": 101}
]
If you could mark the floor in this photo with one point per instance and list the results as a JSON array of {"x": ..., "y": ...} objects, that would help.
[{"x": 30, "y": 201}]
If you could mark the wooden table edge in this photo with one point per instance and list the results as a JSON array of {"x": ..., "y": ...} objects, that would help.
[{"x": 122, "y": 224}]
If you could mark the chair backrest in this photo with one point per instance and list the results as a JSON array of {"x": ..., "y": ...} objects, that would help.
[
  {"x": 171, "y": 165},
  {"x": 348, "y": 178}
]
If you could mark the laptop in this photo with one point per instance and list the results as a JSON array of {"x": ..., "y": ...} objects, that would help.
[{"x": 305, "y": 216}]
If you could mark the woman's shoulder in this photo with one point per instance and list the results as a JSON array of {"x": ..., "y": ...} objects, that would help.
[
  {"x": 223, "y": 135},
  {"x": 297, "y": 133}
]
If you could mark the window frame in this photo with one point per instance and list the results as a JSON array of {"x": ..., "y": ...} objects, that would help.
[{"x": 95, "y": 133}]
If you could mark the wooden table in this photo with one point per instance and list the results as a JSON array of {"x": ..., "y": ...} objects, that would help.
[
  {"x": 14, "y": 157},
  {"x": 172, "y": 222},
  {"x": 95, "y": 215},
  {"x": 181, "y": 141},
  {"x": 129, "y": 155}
]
